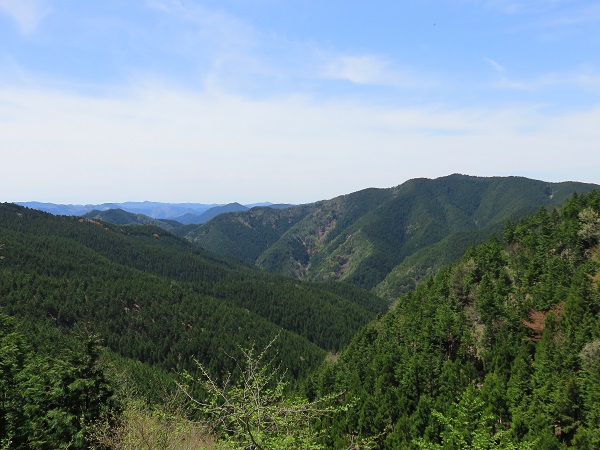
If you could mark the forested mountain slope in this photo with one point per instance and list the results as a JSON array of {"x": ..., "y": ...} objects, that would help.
[
  {"x": 154, "y": 297},
  {"x": 499, "y": 351},
  {"x": 121, "y": 217},
  {"x": 382, "y": 239}
]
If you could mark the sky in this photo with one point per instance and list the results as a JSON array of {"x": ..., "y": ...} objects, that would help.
[{"x": 291, "y": 101}]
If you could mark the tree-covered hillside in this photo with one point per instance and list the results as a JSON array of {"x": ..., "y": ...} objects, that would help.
[
  {"x": 383, "y": 239},
  {"x": 52, "y": 392},
  {"x": 121, "y": 217},
  {"x": 499, "y": 351},
  {"x": 154, "y": 297}
]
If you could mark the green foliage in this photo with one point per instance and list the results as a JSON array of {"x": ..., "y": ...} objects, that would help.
[
  {"x": 253, "y": 413},
  {"x": 590, "y": 226},
  {"x": 258, "y": 229},
  {"x": 498, "y": 351},
  {"x": 155, "y": 300},
  {"x": 470, "y": 427},
  {"x": 48, "y": 400}
]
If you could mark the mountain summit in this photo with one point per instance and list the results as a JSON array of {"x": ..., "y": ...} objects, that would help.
[{"x": 382, "y": 239}]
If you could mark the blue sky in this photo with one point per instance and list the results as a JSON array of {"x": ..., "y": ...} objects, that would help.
[{"x": 291, "y": 100}]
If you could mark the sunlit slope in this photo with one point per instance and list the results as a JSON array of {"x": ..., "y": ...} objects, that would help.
[
  {"x": 499, "y": 350},
  {"x": 387, "y": 239}
]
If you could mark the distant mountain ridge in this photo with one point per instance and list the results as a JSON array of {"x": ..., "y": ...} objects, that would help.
[
  {"x": 189, "y": 212},
  {"x": 197, "y": 219},
  {"x": 156, "y": 210},
  {"x": 122, "y": 217},
  {"x": 387, "y": 240},
  {"x": 382, "y": 239}
]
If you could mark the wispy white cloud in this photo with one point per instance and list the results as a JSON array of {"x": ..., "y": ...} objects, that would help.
[
  {"x": 26, "y": 13},
  {"x": 359, "y": 69},
  {"x": 496, "y": 66},
  {"x": 370, "y": 70},
  {"x": 211, "y": 25},
  {"x": 223, "y": 50},
  {"x": 243, "y": 56},
  {"x": 583, "y": 79},
  {"x": 161, "y": 143}
]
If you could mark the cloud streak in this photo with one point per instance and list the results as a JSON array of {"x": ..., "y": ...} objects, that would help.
[
  {"x": 221, "y": 147},
  {"x": 203, "y": 104},
  {"x": 370, "y": 70},
  {"x": 210, "y": 25},
  {"x": 496, "y": 66},
  {"x": 26, "y": 13},
  {"x": 584, "y": 79}
]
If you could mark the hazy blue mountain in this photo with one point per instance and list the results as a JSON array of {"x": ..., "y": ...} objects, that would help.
[
  {"x": 197, "y": 219},
  {"x": 252, "y": 205},
  {"x": 155, "y": 210},
  {"x": 67, "y": 210},
  {"x": 186, "y": 213},
  {"x": 188, "y": 219},
  {"x": 159, "y": 210}
]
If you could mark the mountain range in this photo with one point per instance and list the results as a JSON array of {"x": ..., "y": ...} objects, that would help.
[
  {"x": 185, "y": 213},
  {"x": 387, "y": 240},
  {"x": 500, "y": 350}
]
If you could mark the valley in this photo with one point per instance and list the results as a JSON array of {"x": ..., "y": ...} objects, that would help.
[{"x": 403, "y": 308}]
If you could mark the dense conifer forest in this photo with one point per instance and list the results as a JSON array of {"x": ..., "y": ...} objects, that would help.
[
  {"x": 151, "y": 297},
  {"x": 102, "y": 326},
  {"x": 500, "y": 350}
]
